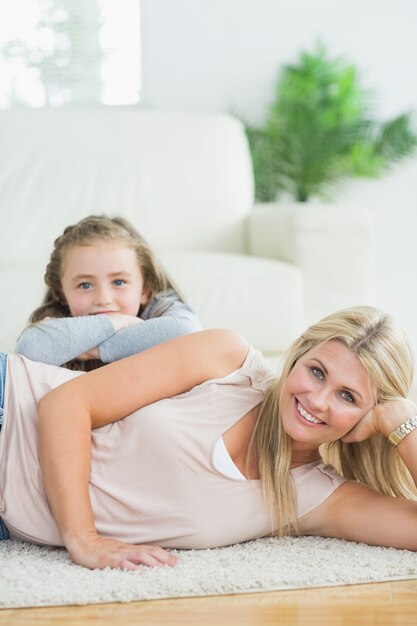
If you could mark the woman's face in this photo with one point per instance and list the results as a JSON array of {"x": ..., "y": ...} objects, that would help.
[{"x": 326, "y": 394}]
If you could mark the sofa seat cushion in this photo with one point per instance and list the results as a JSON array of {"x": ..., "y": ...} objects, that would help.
[{"x": 260, "y": 298}]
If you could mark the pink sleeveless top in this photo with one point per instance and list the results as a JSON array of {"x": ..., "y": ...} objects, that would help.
[{"x": 152, "y": 478}]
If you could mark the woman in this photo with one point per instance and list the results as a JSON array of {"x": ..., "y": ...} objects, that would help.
[{"x": 214, "y": 450}]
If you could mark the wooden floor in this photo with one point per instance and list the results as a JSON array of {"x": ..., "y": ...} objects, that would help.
[{"x": 382, "y": 604}]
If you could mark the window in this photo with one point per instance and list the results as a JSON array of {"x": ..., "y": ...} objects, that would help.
[{"x": 69, "y": 52}]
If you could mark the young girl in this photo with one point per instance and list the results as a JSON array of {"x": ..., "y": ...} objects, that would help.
[
  {"x": 196, "y": 444},
  {"x": 107, "y": 298}
]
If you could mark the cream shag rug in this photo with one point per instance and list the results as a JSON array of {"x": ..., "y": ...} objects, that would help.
[{"x": 40, "y": 576}]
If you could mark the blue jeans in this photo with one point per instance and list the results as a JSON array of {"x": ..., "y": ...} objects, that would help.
[
  {"x": 3, "y": 363},
  {"x": 4, "y": 533}
]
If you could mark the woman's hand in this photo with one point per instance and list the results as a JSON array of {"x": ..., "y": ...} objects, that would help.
[
  {"x": 364, "y": 429},
  {"x": 382, "y": 418},
  {"x": 390, "y": 415},
  {"x": 100, "y": 552}
]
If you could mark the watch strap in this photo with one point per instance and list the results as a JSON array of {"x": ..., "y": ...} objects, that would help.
[{"x": 402, "y": 431}]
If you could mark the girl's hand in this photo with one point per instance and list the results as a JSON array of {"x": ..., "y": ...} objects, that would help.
[
  {"x": 122, "y": 320},
  {"x": 100, "y": 552},
  {"x": 382, "y": 418},
  {"x": 94, "y": 353},
  {"x": 119, "y": 321}
]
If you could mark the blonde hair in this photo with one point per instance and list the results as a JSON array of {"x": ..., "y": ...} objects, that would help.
[
  {"x": 86, "y": 231},
  {"x": 385, "y": 353}
]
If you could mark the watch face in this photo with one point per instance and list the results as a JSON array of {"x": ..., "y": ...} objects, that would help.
[{"x": 394, "y": 439}]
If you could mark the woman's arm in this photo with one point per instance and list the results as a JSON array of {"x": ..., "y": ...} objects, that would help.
[
  {"x": 178, "y": 319},
  {"x": 357, "y": 512},
  {"x": 385, "y": 418},
  {"x": 390, "y": 415},
  {"x": 68, "y": 413}
]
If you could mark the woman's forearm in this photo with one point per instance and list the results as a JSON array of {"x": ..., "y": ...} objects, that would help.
[
  {"x": 389, "y": 417},
  {"x": 64, "y": 449},
  {"x": 65, "y": 461}
]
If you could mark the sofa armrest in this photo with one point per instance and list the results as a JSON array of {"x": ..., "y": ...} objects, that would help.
[{"x": 333, "y": 246}]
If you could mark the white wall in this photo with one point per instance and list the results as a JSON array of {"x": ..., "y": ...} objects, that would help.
[{"x": 225, "y": 55}]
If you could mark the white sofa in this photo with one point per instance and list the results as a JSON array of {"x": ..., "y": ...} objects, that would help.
[{"x": 184, "y": 179}]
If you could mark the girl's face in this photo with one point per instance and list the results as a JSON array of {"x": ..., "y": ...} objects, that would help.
[
  {"x": 103, "y": 277},
  {"x": 326, "y": 394}
]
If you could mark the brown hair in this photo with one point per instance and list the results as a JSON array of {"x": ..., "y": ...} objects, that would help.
[{"x": 84, "y": 232}]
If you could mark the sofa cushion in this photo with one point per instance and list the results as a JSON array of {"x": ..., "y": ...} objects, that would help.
[
  {"x": 182, "y": 177},
  {"x": 260, "y": 298}
]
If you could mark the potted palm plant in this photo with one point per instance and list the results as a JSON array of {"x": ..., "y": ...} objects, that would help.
[{"x": 320, "y": 130}]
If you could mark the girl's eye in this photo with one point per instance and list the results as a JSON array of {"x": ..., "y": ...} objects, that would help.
[
  {"x": 119, "y": 282},
  {"x": 346, "y": 395},
  {"x": 317, "y": 372},
  {"x": 84, "y": 286}
]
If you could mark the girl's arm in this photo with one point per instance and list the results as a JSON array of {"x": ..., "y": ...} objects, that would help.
[
  {"x": 112, "y": 337},
  {"x": 59, "y": 340},
  {"x": 178, "y": 319},
  {"x": 68, "y": 414},
  {"x": 359, "y": 513}
]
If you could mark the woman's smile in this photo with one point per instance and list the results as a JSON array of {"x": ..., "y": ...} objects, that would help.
[{"x": 305, "y": 416}]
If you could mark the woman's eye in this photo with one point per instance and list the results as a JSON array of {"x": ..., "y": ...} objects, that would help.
[
  {"x": 346, "y": 395},
  {"x": 317, "y": 373},
  {"x": 119, "y": 282},
  {"x": 84, "y": 286}
]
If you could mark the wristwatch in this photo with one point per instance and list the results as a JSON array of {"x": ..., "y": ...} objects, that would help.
[{"x": 402, "y": 431}]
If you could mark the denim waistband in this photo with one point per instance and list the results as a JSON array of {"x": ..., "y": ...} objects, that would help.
[
  {"x": 3, "y": 364},
  {"x": 4, "y": 533}
]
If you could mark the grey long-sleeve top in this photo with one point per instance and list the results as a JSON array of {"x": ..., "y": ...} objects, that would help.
[{"x": 59, "y": 340}]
